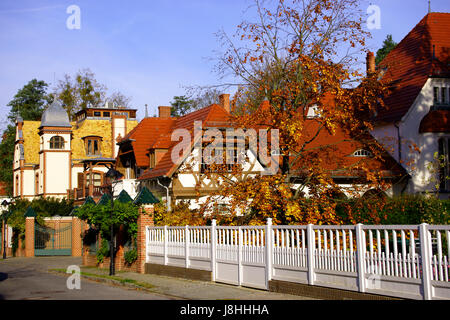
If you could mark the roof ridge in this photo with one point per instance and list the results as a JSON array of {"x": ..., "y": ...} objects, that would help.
[{"x": 405, "y": 38}]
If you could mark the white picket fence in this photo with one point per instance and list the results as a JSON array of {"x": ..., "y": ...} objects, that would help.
[{"x": 407, "y": 261}]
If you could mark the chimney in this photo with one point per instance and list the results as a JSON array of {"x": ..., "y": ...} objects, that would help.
[
  {"x": 370, "y": 63},
  {"x": 164, "y": 112},
  {"x": 224, "y": 101}
]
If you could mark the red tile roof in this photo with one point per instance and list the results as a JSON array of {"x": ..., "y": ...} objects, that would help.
[
  {"x": 211, "y": 116},
  {"x": 411, "y": 63},
  {"x": 145, "y": 134},
  {"x": 436, "y": 121}
]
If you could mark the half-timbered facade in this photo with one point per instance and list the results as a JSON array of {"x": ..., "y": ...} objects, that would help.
[{"x": 156, "y": 155}]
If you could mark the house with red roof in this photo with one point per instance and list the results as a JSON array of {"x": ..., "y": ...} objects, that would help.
[
  {"x": 415, "y": 125},
  {"x": 148, "y": 156}
]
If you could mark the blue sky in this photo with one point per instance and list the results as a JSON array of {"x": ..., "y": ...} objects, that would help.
[{"x": 147, "y": 50}]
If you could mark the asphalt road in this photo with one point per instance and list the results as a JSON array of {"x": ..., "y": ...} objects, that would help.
[{"x": 28, "y": 279}]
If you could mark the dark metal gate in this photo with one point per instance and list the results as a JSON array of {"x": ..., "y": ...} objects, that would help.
[{"x": 53, "y": 241}]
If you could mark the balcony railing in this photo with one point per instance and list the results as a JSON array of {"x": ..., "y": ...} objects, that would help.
[
  {"x": 82, "y": 193},
  {"x": 129, "y": 185}
]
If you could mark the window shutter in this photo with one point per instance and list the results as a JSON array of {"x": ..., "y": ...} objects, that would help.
[{"x": 80, "y": 180}]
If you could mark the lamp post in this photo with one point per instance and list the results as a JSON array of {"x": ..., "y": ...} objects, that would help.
[
  {"x": 5, "y": 216},
  {"x": 111, "y": 177}
]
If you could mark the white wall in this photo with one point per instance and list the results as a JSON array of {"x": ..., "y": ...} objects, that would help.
[
  {"x": 413, "y": 161},
  {"x": 57, "y": 172},
  {"x": 28, "y": 182},
  {"x": 119, "y": 125}
]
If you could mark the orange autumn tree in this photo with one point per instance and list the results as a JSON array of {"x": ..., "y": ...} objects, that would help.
[{"x": 295, "y": 57}]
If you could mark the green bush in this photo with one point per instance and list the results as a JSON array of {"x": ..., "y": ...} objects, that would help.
[
  {"x": 405, "y": 209},
  {"x": 103, "y": 251},
  {"x": 130, "y": 256}
]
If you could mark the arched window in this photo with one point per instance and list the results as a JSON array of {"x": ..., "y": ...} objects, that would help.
[
  {"x": 57, "y": 142},
  {"x": 362, "y": 153}
]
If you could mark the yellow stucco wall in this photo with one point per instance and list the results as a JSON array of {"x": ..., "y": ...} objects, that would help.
[{"x": 88, "y": 127}]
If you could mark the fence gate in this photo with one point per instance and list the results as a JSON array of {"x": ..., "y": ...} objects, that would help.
[{"x": 56, "y": 241}]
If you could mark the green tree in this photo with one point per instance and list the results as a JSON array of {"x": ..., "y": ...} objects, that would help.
[
  {"x": 181, "y": 106},
  {"x": 6, "y": 158},
  {"x": 29, "y": 102},
  {"x": 81, "y": 92},
  {"x": 388, "y": 46}
]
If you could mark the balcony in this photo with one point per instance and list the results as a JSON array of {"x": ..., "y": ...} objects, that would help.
[
  {"x": 80, "y": 194},
  {"x": 96, "y": 192}
]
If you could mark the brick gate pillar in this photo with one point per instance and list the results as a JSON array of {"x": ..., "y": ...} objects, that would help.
[
  {"x": 76, "y": 237},
  {"x": 145, "y": 219},
  {"x": 29, "y": 237}
]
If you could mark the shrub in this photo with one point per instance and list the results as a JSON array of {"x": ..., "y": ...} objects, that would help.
[
  {"x": 130, "y": 256},
  {"x": 404, "y": 209}
]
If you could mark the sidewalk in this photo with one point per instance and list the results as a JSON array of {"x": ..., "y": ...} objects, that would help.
[
  {"x": 192, "y": 289},
  {"x": 175, "y": 288}
]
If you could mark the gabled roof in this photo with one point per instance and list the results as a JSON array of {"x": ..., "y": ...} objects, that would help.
[
  {"x": 145, "y": 134},
  {"x": 411, "y": 63},
  {"x": 211, "y": 116}
]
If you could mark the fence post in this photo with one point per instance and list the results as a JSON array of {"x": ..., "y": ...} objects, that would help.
[
  {"x": 166, "y": 242},
  {"x": 425, "y": 254},
  {"x": 360, "y": 257},
  {"x": 311, "y": 246},
  {"x": 269, "y": 245},
  {"x": 186, "y": 246},
  {"x": 213, "y": 241},
  {"x": 240, "y": 256}
]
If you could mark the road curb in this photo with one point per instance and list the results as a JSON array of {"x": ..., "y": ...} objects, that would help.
[{"x": 117, "y": 283}]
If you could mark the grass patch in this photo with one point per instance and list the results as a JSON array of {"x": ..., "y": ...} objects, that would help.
[{"x": 116, "y": 278}]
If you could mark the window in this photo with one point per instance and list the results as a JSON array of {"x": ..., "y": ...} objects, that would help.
[
  {"x": 435, "y": 95},
  {"x": 228, "y": 155},
  {"x": 362, "y": 153},
  {"x": 444, "y": 97},
  {"x": 97, "y": 114},
  {"x": 57, "y": 142},
  {"x": 106, "y": 114},
  {"x": 444, "y": 168},
  {"x": 17, "y": 186},
  {"x": 36, "y": 186},
  {"x": 93, "y": 147},
  {"x": 441, "y": 95},
  {"x": 152, "y": 158},
  {"x": 221, "y": 209},
  {"x": 96, "y": 179}
]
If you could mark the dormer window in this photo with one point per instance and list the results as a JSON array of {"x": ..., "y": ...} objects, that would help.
[
  {"x": 57, "y": 142},
  {"x": 313, "y": 112},
  {"x": 362, "y": 153}
]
